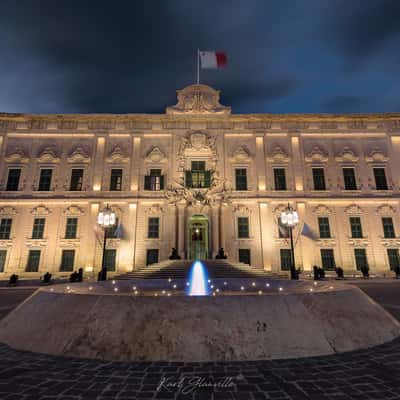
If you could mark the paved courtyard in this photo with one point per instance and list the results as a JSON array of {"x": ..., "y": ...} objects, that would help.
[{"x": 365, "y": 374}]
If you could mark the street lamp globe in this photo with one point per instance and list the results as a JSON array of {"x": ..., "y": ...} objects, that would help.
[{"x": 289, "y": 217}]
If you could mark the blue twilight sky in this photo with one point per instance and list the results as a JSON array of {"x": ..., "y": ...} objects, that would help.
[{"x": 286, "y": 56}]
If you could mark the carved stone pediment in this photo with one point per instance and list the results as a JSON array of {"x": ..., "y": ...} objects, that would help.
[
  {"x": 322, "y": 209},
  {"x": 198, "y": 140},
  {"x": 8, "y": 210},
  {"x": 353, "y": 209},
  {"x": 117, "y": 156},
  {"x": 198, "y": 99},
  {"x": 74, "y": 210},
  {"x": 79, "y": 155},
  {"x": 278, "y": 155},
  {"x": 155, "y": 156},
  {"x": 317, "y": 155},
  {"x": 240, "y": 155},
  {"x": 386, "y": 209},
  {"x": 376, "y": 156},
  {"x": 279, "y": 208},
  {"x": 48, "y": 155},
  {"x": 17, "y": 156},
  {"x": 346, "y": 155},
  {"x": 155, "y": 209},
  {"x": 241, "y": 209},
  {"x": 40, "y": 210}
]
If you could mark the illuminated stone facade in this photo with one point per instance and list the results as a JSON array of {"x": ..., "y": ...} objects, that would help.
[{"x": 341, "y": 173}]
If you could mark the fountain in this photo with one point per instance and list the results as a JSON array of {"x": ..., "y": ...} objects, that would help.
[
  {"x": 198, "y": 280},
  {"x": 176, "y": 320}
]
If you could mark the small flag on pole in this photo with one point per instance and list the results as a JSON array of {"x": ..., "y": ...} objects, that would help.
[
  {"x": 308, "y": 232},
  {"x": 213, "y": 59}
]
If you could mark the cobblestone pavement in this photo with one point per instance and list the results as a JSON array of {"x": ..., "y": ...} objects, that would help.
[{"x": 365, "y": 374}]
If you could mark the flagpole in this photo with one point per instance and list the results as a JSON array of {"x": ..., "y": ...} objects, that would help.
[{"x": 198, "y": 66}]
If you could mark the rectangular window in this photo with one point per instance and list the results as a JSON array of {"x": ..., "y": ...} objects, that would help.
[
  {"x": 67, "y": 260},
  {"x": 380, "y": 179},
  {"x": 38, "y": 228},
  {"x": 324, "y": 229},
  {"x": 154, "y": 181},
  {"x": 45, "y": 179},
  {"x": 244, "y": 256},
  {"x": 110, "y": 256},
  {"x": 5, "y": 228},
  {"x": 279, "y": 179},
  {"x": 116, "y": 179},
  {"x": 349, "y": 178},
  {"x": 151, "y": 256},
  {"x": 355, "y": 226},
  {"x": 360, "y": 256},
  {"x": 394, "y": 260},
  {"x": 71, "y": 228},
  {"x": 3, "y": 257},
  {"x": 14, "y": 175},
  {"x": 154, "y": 227},
  {"x": 286, "y": 259},
  {"x": 388, "y": 228},
  {"x": 319, "y": 178},
  {"x": 33, "y": 261},
  {"x": 327, "y": 259},
  {"x": 76, "y": 179},
  {"x": 198, "y": 177},
  {"x": 241, "y": 178},
  {"x": 243, "y": 227}
]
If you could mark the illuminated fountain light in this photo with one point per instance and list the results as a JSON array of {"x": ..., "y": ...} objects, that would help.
[
  {"x": 267, "y": 284},
  {"x": 90, "y": 287},
  {"x": 198, "y": 280},
  {"x": 241, "y": 287},
  {"x": 280, "y": 289},
  {"x": 113, "y": 282},
  {"x": 260, "y": 292},
  {"x": 225, "y": 283},
  {"x": 169, "y": 280},
  {"x": 115, "y": 289},
  {"x": 253, "y": 284},
  {"x": 163, "y": 292},
  {"x": 174, "y": 286},
  {"x": 134, "y": 288}
]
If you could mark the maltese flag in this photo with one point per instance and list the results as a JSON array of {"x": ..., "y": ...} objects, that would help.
[{"x": 213, "y": 59}]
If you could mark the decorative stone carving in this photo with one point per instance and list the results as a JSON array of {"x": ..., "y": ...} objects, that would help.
[
  {"x": 347, "y": 155},
  {"x": 198, "y": 99},
  {"x": 279, "y": 208},
  {"x": 117, "y": 156},
  {"x": 317, "y": 155},
  {"x": 40, "y": 210},
  {"x": 240, "y": 155},
  {"x": 101, "y": 124},
  {"x": 142, "y": 125},
  {"x": 8, "y": 210},
  {"x": 328, "y": 125},
  {"x": 353, "y": 209},
  {"x": 74, "y": 210},
  {"x": 79, "y": 155},
  {"x": 278, "y": 155},
  {"x": 155, "y": 209},
  {"x": 198, "y": 140},
  {"x": 376, "y": 156},
  {"x": 241, "y": 209},
  {"x": 385, "y": 209},
  {"x": 294, "y": 126},
  {"x": 17, "y": 156},
  {"x": 359, "y": 125},
  {"x": 322, "y": 209},
  {"x": 258, "y": 125},
  {"x": 48, "y": 155},
  {"x": 37, "y": 124},
  {"x": 67, "y": 125},
  {"x": 155, "y": 155}
]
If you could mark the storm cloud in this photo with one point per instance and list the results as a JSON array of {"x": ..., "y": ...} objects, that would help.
[{"x": 131, "y": 56}]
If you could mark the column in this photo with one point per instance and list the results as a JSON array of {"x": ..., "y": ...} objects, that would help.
[
  {"x": 215, "y": 230},
  {"x": 260, "y": 163},
  {"x": 181, "y": 230},
  {"x": 98, "y": 163},
  {"x": 135, "y": 164},
  {"x": 267, "y": 238},
  {"x": 297, "y": 164}
]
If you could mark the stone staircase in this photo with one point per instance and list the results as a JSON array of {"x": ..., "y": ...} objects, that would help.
[{"x": 179, "y": 269}]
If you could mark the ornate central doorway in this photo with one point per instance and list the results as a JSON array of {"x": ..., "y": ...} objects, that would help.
[{"x": 198, "y": 237}]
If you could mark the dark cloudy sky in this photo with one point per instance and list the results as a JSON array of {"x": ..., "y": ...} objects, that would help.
[{"x": 285, "y": 56}]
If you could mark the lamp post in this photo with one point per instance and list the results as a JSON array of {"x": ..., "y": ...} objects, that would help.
[
  {"x": 106, "y": 219},
  {"x": 290, "y": 218}
]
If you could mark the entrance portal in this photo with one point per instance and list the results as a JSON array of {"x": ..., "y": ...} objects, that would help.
[{"x": 198, "y": 237}]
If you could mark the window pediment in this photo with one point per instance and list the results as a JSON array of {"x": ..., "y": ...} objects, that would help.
[
  {"x": 347, "y": 155},
  {"x": 386, "y": 209},
  {"x": 241, "y": 209},
  {"x": 278, "y": 155},
  {"x": 376, "y": 156},
  {"x": 240, "y": 155},
  {"x": 155, "y": 155},
  {"x": 322, "y": 209},
  {"x": 48, "y": 155},
  {"x": 353, "y": 209},
  {"x": 117, "y": 156},
  {"x": 40, "y": 210},
  {"x": 8, "y": 210},
  {"x": 317, "y": 155},
  {"x": 155, "y": 209},
  {"x": 17, "y": 156},
  {"x": 79, "y": 155},
  {"x": 74, "y": 210}
]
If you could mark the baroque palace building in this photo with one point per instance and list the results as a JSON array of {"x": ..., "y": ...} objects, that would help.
[{"x": 198, "y": 178}]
